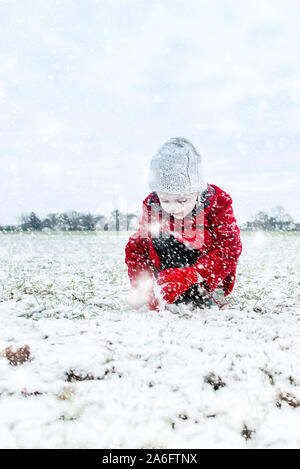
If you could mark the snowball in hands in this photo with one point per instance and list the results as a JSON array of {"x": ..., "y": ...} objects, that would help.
[{"x": 139, "y": 294}]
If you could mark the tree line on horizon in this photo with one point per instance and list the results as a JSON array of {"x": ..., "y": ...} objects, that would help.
[
  {"x": 277, "y": 220},
  {"x": 73, "y": 221}
]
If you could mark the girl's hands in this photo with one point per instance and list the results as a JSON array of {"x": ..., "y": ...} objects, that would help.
[{"x": 168, "y": 286}]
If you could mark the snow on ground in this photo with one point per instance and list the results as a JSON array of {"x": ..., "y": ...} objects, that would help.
[{"x": 104, "y": 376}]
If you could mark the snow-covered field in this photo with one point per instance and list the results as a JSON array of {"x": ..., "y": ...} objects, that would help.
[{"x": 103, "y": 376}]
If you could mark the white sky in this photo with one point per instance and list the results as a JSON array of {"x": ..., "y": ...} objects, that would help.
[{"x": 90, "y": 89}]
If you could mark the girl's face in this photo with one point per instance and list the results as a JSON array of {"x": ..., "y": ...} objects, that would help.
[{"x": 178, "y": 205}]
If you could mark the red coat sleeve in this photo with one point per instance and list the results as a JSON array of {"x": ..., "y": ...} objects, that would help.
[
  {"x": 221, "y": 261},
  {"x": 137, "y": 256}
]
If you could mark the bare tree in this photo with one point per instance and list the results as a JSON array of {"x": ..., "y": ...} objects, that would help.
[
  {"x": 261, "y": 221},
  {"x": 130, "y": 217},
  {"x": 30, "y": 222},
  {"x": 280, "y": 219},
  {"x": 51, "y": 221}
]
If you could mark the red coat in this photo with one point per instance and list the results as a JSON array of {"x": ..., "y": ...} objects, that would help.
[{"x": 217, "y": 239}]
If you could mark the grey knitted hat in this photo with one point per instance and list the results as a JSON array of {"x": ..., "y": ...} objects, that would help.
[{"x": 176, "y": 168}]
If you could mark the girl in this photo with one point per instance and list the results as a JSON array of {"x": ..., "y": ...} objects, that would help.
[{"x": 188, "y": 243}]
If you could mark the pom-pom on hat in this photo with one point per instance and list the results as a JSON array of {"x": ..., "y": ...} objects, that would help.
[{"x": 177, "y": 168}]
